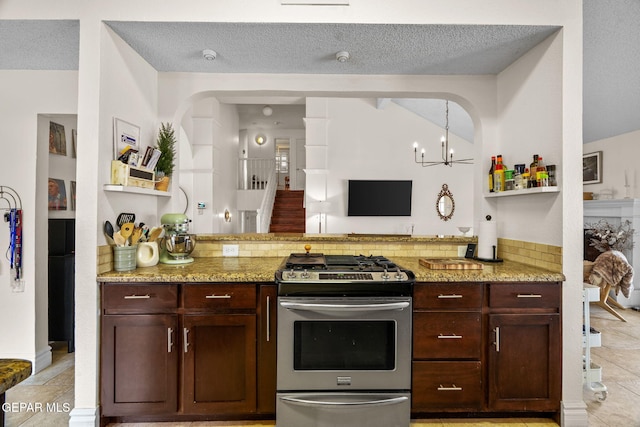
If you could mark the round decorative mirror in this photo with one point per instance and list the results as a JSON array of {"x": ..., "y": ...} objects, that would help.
[{"x": 445, "y": 205}]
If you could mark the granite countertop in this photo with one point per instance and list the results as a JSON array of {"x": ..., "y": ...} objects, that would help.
[
  {"x": 13, "y": 371},
  {"x": 507, "y": 271},
  {"x": 245, "y": 269},
  {"x": 342, "y": 238}
]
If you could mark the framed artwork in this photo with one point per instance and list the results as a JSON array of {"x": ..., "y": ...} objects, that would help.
[
  {"x": 74, "y": 139},
  {"x": 73, "y": 195},
  {"x": 57, "y": 195},
  {"x": 57, "y": 139},
  {"x": 124, "y": 134},
  {"x": 592, "y": 168}
]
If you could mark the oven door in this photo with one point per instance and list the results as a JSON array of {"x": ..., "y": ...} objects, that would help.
[{"x": 344, "y": 343}]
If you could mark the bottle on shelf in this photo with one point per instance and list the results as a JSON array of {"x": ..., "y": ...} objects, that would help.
[
  {"x": 491, "y": 172},
  {"x": 533, "y": 168},
  {"x": 498, "y": 175},
  {"x": 540, "y": 171},
  {"x": 526, "y": 181}
]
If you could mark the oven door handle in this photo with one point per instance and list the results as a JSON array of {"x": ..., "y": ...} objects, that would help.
[
  {"x": 310, "y": 401},
  {"x": 344, "y": 307}
]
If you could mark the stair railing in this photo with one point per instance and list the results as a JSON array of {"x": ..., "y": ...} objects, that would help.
[
  {"x": 263, "y": 219},
  {"x": 255, "y": 174}
]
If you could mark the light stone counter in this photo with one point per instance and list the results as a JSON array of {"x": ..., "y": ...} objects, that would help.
[{"x": 262, "y": 269}]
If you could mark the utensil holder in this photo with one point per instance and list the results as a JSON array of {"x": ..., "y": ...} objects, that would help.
[
  {"x": 124, "y": 257},
  {"x": 148, "y": 254}
]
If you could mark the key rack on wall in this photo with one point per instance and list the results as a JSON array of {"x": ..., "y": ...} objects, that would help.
[{"x": 13, "y": 215}]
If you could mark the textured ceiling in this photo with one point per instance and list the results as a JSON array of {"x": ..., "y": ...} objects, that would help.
[{"x": 611, "y": 54}]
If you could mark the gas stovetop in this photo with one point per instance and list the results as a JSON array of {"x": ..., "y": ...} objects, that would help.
[{"x": 342, "y": 275}]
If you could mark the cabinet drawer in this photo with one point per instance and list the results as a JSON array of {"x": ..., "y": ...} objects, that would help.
[
  {"x": 449, "y": 296},
  {"x": 128, "y": 298},
  {"x": 447, "y": 335},
  {"x": 524, "y": 295},
  {"x": 219, "y": 297},
  {"x": 446, "y": 385}
]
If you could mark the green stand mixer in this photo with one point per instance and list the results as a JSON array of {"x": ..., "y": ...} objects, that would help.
[{"x": 177, "y": 243}]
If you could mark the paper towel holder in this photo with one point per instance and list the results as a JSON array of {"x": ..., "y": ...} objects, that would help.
[{"x": 494, "y": 247}]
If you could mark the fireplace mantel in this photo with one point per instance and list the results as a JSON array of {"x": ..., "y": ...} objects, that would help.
[{"x": 616, "y": 212}]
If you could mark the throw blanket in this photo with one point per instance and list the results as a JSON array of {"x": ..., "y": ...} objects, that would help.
[{"x": 613, "y": 268}]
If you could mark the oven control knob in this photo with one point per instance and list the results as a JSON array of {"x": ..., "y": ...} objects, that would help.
[
  {"x": 398, "y": 274},
  {"x": 385, "y": 275},
  {"x": 305, "y": 274},
  {"x": 291, "y": 274}
]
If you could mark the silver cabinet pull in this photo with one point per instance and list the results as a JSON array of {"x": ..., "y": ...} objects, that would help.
[
  {"x": 529, "y": 296},
  {"x": 313, "y": 401},
  {"x": 497, "y": 341},
  {"x": 268, "y": 318},
  {"x": 134, "y": 296},
  {"x": 185, "y": 339},
  {"x": 452, "y": 388},
  {"x": 343, "y": 307},
  {"x": 449, "y": 296},
  {"x": 214, "y": 296},
  {"x": 169, "y": 339},
  {"x": 452, "y": 336}
]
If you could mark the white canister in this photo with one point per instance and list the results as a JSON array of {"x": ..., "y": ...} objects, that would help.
[{"x": 148, "y": 254}]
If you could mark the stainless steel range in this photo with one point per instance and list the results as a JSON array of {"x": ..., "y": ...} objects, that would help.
[{"x": 344, "y": 342}]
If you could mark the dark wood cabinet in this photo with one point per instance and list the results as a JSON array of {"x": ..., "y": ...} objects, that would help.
[
  {"x": 525, "y": 353},
  {"x": 267, "y": 327},
  {"x": 139, "y": 351},
  {"x": 185, "y": 350},
  {"x": 483, "y": 348},
  {"x": 219, "y": 352},
  {"x": 447, "y": 347}
]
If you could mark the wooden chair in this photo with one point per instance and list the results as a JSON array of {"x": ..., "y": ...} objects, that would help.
[{"x": 605, "y": 299}]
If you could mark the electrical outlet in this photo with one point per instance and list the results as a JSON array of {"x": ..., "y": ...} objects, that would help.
[{"x": 230, "y": 250}]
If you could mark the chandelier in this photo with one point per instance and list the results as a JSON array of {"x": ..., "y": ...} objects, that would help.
[{"x": 447, "y": 153}]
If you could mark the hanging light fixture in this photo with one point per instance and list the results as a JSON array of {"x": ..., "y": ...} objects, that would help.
[{"x": 447, "y": 153}]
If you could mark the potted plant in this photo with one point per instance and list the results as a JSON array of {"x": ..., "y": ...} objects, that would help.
[{"x": 166, "y": 143}]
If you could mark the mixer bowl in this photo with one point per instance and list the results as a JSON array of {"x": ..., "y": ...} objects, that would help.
[{"x": 180, "y": 246}]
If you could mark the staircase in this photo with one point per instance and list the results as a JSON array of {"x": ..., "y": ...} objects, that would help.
[{"x": 288, "y": 212}]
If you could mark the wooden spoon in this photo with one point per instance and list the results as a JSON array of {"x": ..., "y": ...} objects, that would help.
[
  {"x": 155, "y": 233},
  {"x": 119, "y": 239},
  {"x": 135, "y": 236},
  {"x": 127, "y": 229}
]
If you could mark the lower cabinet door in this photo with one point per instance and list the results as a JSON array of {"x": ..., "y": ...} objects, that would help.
[
  {"x": 139, "y": 364},
  {"x": 219, "y": 353},
  {"x": 525, "y": 359},
  {"x": 445, "y": 386}
]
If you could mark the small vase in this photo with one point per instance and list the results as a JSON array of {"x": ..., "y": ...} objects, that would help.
[{"x": 163, "y": 184}]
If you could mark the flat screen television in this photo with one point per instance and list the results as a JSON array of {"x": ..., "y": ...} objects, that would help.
[{"x": 379, "y": 198}]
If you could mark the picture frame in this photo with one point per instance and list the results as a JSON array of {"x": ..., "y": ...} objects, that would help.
[
  {"x": 57, "y": 139},
  {"x": 74, "y": 139},
  {"x": 124, "y": 134},
  {"x": 73, "y": 195},
  {"x": 592, "y": 168},
  {"x": 57, "y": 195}
]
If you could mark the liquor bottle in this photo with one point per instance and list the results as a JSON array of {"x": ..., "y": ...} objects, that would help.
[
  {"x": 498, "y": 175},
  {"x": 492, "y": 170},
  {"x": 541, "y": 170},
  {"x": 533, "y": 168}
]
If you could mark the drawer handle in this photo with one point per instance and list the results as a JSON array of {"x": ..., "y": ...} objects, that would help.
[
  {"x": 268, "y": 318},
  {"x": 134, "y": 296},
  {"x": 169, "y": 339},
  {"x": 497, "y": 341},
  {"x": 452, "y": 336},
  {"x": 452, "y": 388},
  {"x": 529, "y": 296},
  {"x": 449, "y": 296},
  {"x": 214, "y": 296},
  {"x": 185, "y": 339}
]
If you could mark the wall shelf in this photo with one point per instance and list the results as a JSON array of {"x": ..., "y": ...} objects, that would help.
[
  {"x": 135, "y": 190},
  {"x": 523, "y": 192}
]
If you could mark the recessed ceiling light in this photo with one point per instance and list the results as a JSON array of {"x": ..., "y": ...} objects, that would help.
[
  {"x": 209, "y": 54},
  {"x": 267, "y": 110},
  {"x": 342, "y": 56}
]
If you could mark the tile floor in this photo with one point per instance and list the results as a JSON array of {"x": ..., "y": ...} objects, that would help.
[{"x": 619, "y": 357}]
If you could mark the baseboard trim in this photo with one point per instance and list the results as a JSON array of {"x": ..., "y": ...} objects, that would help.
[
  {"x": 84, "y": 417},
  {"x": 574, "y": 414},
  {"x": 43, "y": 359}
]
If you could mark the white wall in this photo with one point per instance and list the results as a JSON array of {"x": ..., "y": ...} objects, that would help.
[
  {"x": 25, "y": 95},
  {"x": 530, "y": 102},
  {"x": 365, "y": 142},
  {"x": 60, "y": 166},
  {"x": 615, "y": 165}
]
